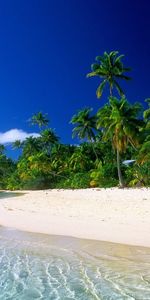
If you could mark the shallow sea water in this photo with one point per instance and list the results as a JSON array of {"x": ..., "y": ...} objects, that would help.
[
  {"x": 4, "y": 194},
  {"x": 37, "y": 266}
]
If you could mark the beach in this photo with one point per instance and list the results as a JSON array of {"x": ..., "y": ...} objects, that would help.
[{"x": 113, "y": 215}]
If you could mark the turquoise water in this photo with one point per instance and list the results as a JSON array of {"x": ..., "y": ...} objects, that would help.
[
  {"x": 36, "y": 266},
  {"x": 9, "y": 194}
]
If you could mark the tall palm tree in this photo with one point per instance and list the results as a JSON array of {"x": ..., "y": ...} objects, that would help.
[
  {"x": 85, "y": 126},
  {"x": 109, "y": 68},
  {"x": 120, "y": 123},
  {"x": 39, "y": 119}
]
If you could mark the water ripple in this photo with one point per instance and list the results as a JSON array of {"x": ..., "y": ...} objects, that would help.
[{"x": 56, "y": 268}]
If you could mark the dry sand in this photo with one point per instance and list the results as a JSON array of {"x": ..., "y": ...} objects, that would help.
[{"x": 115, "y": 215}]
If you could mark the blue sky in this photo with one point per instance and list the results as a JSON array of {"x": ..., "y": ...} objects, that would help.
[{"x": 46, "y": 51}]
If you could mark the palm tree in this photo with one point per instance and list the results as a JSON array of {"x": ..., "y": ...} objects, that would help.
[
  {"x": 146, "y": 113},
  {"x": 31, "y": 145},
  {"x": 120, "y": 123},
  {"x": 17, "y": 144},
  {"x": 48, "y": 139},
  {"x": 109, "y": 68},
  {"x": 79, "y": 161},
  {"x": 144, "y": 152},
  {"x": 39, "y": 119},
  {"x": 85, "y": 126}
]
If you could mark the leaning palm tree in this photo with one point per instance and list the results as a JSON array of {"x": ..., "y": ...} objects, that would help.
[
  {"x": 109, "y": 68},
  {"x": 85, "y": 126},
  {"x": 120, "y": 123}
]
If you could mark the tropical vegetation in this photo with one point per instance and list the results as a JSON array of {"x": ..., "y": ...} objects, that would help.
[{"x": 113, "y": 146}]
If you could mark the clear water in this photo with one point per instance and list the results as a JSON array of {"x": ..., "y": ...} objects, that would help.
[
  {"x": 9, "y": 194},
  {"x": 35, "y": 266}
]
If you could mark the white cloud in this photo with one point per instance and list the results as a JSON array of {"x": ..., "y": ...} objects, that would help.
[{"x": 12, "y": 135}]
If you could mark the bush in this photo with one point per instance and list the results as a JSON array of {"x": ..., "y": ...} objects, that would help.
[
  {"x": 75, "y": 181},
  {"x": 104, "y": 176},
  {"x": 138, "y": 175},
  {"x": 37, "y": 183},
  {"x": 13, "y": 182}
]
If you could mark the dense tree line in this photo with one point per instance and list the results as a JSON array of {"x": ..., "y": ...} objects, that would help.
[{"x": 118, "y": 132}]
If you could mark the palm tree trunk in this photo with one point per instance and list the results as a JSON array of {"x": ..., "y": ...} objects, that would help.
[
  {"x": 121, "y": 184},
  {"x": 110, "y": 91}
]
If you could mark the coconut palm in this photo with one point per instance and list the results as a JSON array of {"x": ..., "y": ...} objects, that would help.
[
  {"x": 85, "y": 126},
  {"x": 144, "y": 152},
  {"x": 48, "y": 139},
  {"x": 121, "y": 124},
  {"x": 79, "y": 160},
  {"x": 31, "y": 145},
  {"x": 17, "y": 144},
  {"x": 109, "y": 68},
  {"x": 60, "y": 156},
  {"x": 39, "y": 119}
]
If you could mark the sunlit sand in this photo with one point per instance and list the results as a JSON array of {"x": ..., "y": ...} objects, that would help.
[{"x": 115, "y": 215}]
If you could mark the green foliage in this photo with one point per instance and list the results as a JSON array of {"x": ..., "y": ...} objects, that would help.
[
  {"x": 14, "y": 182},
  {"x": 138, "y": 175},
  {"x": 121, "y": 125},
  {"x": 120, "y": 122},
  {"x": 104, "y": 175},
  {"x": 109, "y": 68},
  {"x": 75, "y": 181},
  {"x": 39, "y": 119},
  {"x": 85, "y": 124},
  {"x": 79, "y": 161},
  {"x": 37, "y": 183},
  {"x": 7, "y": 167},
  {"x": 117, "y": 128}
]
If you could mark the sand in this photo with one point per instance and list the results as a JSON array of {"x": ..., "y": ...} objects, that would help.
[{"x": 114, "y": 215}]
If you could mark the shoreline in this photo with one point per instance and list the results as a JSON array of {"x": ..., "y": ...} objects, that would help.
[{"x": 109, "y": 215}]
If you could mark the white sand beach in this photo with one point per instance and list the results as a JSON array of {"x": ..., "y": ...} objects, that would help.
[{"x": 115, "y": 215}]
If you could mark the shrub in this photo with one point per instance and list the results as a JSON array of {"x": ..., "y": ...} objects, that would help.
[{"x": 75, "y": 181}]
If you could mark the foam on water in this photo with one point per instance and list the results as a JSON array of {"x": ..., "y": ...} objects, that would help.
[{"x": 35, "y": 266}]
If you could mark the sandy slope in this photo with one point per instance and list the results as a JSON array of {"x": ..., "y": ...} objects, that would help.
[{"x": 116, "y": 215}]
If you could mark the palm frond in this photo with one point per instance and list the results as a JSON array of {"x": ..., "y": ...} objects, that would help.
[
  {"x": 91, "y": 74},
  {"x": 121, "y": 76},
  {"x": 119, "y": 89},
  {"x": 100, "y": 88}
]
